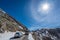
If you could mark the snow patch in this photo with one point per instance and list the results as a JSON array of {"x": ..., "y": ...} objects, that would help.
[
  {"x": 6, "y": 35},
  {"x": 30, "y": 37},
  {"x": 20, "y": 27}
]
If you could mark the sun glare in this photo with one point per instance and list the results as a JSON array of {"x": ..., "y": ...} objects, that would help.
[{"x": 45, "y": 7}]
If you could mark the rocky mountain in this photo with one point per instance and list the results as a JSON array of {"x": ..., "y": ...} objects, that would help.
[
  {"x": 47, "y": 34},
  {"x": 8, "y": 23}
]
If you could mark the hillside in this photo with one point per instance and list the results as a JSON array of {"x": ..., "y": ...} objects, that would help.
[{"x": 8, "y": 23}]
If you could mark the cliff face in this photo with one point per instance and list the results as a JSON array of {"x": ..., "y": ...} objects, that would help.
[{"x": 8, "y": 23}]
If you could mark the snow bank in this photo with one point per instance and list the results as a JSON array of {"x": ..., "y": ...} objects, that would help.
[{"x": 6, "y": 35}]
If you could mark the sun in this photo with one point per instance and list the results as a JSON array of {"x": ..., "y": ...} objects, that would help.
[{"x": 45, "y": 7}]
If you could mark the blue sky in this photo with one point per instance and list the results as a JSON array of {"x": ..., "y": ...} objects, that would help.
[{"x": 26, "y": 12}]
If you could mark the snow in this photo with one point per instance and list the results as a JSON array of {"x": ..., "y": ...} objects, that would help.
[
  {"x": 6, "y": 35},
  {"x": 2, "y": 10},
  {"x": 20, "y": 27},
  {"x": 30, "y": 36}
]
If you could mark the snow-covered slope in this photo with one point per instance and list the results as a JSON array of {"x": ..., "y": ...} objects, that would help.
[{"x": 6, "y": 35}]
